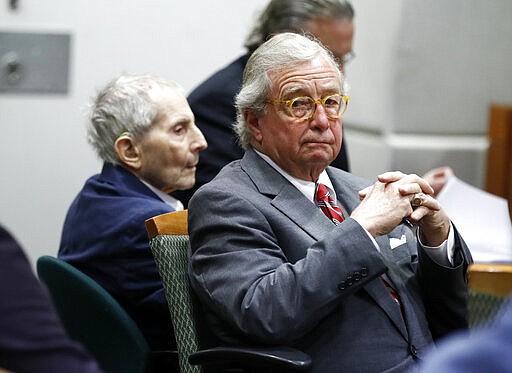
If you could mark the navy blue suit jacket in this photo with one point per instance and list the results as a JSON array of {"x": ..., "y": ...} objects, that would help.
[
  {"x": 213, "y": 105},
  {"x": 32, "y": 338},
  {"x": 105, "y": 237}
]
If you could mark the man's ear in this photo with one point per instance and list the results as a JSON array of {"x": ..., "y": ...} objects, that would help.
[
  {"x": 128, "y": 152},
  {"x": 253, "y": 122}
]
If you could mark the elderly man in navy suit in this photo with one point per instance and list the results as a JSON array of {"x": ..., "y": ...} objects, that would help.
[
  {"x": 288, "y": 250},
  {"x": 144, "y": 131}
]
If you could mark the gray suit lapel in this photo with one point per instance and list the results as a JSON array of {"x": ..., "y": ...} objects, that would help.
[
  {"x": 291, "y": 202},
  {"x": 383, "y": 298},
  {"x": 285, "y": 197},
  {"x": 346, "y": 193}
]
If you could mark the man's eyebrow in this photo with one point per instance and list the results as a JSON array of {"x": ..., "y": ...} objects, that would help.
[
  {"x": 301, "y": 90},
  {"x": 293, "y": 90},
  {"x": 334, "y": 87},
  {"x": 181, "y": 121}
]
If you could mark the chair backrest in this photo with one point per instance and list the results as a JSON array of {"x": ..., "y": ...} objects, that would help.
[
  {"x": 169, "y": 242},
  {"x": 490, "y": 285},
  {"x": 499, "y": 154},
  {"x": 94, "y": 318}
]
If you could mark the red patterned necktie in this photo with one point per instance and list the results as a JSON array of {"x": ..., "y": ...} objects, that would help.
[
  {"x": 326, "y": 203},
  {"x": 391, "y": 290}
]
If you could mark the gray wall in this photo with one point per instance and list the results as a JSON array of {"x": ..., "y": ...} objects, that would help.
[
  {"x": 423, "y": 81},
  {"x": 423, "y": 78},
  {"x": 453, "y": 60}
]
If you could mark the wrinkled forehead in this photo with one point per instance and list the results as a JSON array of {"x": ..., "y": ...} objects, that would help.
[
  {"x": 171, "y": 104},
  {"x": 158, "y": 92},
  {"x": 318, "y": 74}
]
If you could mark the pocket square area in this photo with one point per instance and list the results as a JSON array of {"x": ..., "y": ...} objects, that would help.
[{"x": 395, "y": 242}]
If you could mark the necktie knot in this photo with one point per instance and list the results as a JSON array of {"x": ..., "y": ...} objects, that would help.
[{"x": 326, "y": 203}]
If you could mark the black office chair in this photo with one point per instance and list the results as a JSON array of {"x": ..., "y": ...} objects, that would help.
[
  {"x": 93, "y": 317},
  {"x": 169, "y": 243}
]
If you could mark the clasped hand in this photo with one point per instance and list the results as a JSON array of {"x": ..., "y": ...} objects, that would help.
[{"x": 387, "y": 202}]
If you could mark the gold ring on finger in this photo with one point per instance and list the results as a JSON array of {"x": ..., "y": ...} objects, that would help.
[{"x": 416, "y": 200}]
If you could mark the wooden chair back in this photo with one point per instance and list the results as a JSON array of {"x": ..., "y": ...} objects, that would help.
[
  {"x": 490, "y": 286},
  {"x": 174, "y": 224},
  {"x": 168, "y": 234},
  {"x": 499, "y": 154},
  {"x": 491, "y": 278}
]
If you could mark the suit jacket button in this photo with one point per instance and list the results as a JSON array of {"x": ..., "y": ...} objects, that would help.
[
  {"x": 364, "y": 271},
  {"x": 342, "y": 285},
  {"x": 349, "y": 280},
  {"x": 357, "y": 276},
  {"x": 413, "y": 351}
]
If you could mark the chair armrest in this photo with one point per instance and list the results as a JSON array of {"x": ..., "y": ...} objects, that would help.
[{"x": 276, "y": 357}]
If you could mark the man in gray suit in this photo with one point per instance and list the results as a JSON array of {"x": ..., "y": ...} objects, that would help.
[{"x": 342, "y": 278}]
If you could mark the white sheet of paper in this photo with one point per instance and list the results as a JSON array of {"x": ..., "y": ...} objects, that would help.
[{"x": 481, "y": 218}]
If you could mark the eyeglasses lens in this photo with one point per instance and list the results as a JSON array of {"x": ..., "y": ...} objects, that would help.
[{"x": 304, "y": 107}]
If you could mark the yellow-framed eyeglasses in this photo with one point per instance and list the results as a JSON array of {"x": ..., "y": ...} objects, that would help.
[{"x": 304, "y": 107}]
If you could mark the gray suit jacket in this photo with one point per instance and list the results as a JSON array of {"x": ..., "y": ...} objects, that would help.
[{"x": 269, "y": 267}]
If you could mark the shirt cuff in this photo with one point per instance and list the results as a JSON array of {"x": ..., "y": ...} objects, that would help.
[{"x": 442, "y": 254}]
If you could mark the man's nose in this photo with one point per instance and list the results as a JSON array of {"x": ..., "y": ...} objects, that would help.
[
  {"x": 199, "y": 142},
  {"x": 320, "y": 118}
]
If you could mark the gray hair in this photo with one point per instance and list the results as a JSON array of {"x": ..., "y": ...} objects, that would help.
[
  {"x": 280, "y": 52},
  {"x": 293, "y": 16},
  {"x": 124, "y": 105}
]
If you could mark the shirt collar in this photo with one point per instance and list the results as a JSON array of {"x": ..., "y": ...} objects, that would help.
[
  {"x": 304, "y": 186},
  {"x": 170, "y": 200}
]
